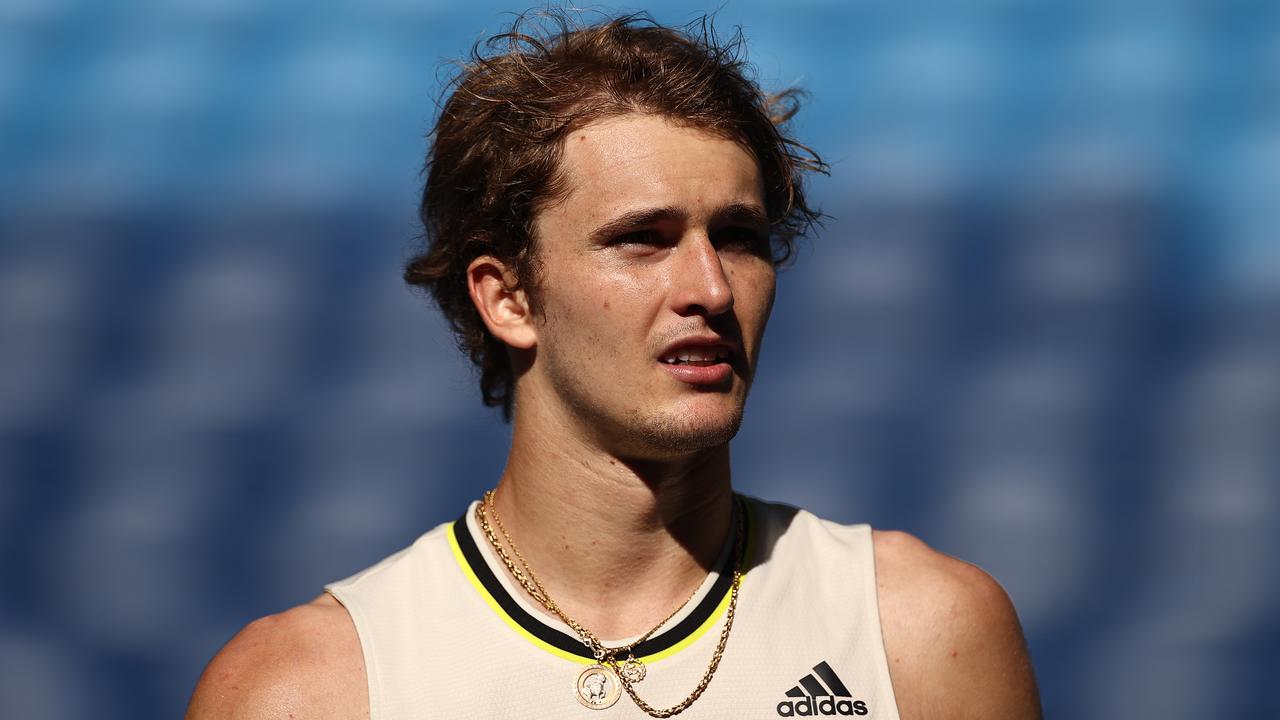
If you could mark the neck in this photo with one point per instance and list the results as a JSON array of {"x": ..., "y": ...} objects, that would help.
[{"x": 618, "y": 544}]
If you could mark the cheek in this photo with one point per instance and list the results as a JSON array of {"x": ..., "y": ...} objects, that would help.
[
  {"x": 628, "y": 297},
  {"x": 757, "y": 284},
  {"x": 589, "y": 313}
]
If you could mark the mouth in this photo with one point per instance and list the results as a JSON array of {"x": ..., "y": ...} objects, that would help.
[
  {"x": 704, "y": 363},
  {"x": 695, "y": 356}
]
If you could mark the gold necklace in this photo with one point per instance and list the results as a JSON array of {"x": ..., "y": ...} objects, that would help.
[
  {"x": 599, "y": 685},
  {"x": 631, "y": 667}
]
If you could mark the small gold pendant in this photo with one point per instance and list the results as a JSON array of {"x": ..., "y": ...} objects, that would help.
[
  {"x": 598, "y": 687},
  {"x": 634, "y": 670}
]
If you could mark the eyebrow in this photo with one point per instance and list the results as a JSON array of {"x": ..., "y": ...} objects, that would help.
[
  {"x": 634, "y": 219},
  {"x": 734, "y": 213},
  {"x": 742, "y": 214}
]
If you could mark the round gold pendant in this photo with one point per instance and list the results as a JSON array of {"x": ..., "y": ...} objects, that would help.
[
  {"x": 598, "y": 687},
  {"x": 634, "y": 670}
]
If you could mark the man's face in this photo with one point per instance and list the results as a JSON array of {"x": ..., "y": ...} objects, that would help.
[{"x": 655, "y": 285}]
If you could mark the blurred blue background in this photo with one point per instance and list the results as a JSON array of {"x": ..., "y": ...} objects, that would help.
[{"x": 1040, "y": 329}]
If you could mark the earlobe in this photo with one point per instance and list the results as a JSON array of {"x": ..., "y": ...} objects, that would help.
[{"x": 503, "y": 305}]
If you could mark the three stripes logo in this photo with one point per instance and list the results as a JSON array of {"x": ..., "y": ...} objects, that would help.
[{"x": 813, "y": 698}]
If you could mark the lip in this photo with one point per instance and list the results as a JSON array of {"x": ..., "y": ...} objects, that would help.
[
  {"x": 702, "y": 375},
  {"x": 717, "y": 374}
]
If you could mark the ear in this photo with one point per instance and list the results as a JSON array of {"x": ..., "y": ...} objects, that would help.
[{"x": 502, "y": 304}]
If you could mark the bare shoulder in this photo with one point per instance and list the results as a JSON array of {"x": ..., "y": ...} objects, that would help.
[
  {"x": 952, "y": 636},
  {"x": 305, "y": 663}
]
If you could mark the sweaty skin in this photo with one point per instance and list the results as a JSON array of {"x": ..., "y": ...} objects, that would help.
[
  {"x": 654, "y": 252},
  {"x": 663, "y": 248}
]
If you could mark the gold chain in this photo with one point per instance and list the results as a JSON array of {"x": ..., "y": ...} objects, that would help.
[
  {"x": 529, "y": 581},
  {"x": 588, "y": 638}
]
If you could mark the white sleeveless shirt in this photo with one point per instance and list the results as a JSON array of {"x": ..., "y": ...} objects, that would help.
[{"x": 446, "y": 635}]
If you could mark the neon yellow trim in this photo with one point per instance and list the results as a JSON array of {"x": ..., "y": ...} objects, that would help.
[
  {"x": 475, "y": 582},
  {"x": 684, "y": 643},
  {"x": 723, "y": 607}
]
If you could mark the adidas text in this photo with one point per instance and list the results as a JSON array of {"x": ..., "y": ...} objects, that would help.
[{"x": 811, "y": 706}]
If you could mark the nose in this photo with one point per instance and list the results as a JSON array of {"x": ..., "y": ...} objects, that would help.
[{"x": 701, "y": 282}]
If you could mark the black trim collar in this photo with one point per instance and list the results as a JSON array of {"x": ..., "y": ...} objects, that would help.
[{"x": 571, "y": 644}]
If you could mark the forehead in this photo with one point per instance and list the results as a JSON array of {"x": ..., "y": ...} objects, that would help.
[{"x": 633, "y": 162}]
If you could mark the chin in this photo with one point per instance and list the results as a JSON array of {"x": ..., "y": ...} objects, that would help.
[{"x": 683, "y": 433}]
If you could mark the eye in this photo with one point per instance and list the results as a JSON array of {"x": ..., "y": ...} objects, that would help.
[
  {"x": 741, "y": 237},
  {"x": 651, "y": 238}
]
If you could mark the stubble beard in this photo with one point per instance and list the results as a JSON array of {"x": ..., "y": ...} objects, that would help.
[
  {"x": 647, "y": 433},
  {"x": 664, "y": 434}
]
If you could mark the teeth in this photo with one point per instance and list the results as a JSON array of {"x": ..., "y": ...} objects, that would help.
[{"x": 696, "y": 356}]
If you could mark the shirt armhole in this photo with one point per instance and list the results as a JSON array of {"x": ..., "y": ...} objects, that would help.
[
  {"x": 872, "y": 601},
  {"x": 363, "y": 632}
]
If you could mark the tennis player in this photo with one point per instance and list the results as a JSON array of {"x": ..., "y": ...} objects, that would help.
[{"x": 605, "y": 211}]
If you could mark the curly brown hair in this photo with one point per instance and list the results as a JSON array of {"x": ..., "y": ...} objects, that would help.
[{"x": 496, "y": 147}]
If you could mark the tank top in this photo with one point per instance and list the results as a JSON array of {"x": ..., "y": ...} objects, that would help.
[{"x": 446, "y": 634}]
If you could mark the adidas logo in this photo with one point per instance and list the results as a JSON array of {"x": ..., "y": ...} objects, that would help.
[{"x": 835, "y": 697}]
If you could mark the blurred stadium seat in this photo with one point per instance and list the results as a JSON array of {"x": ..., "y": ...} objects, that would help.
[{"x": 1041, "y": 328}]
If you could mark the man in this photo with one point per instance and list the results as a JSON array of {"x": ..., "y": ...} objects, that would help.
[{"x": 605, "y": 210}]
